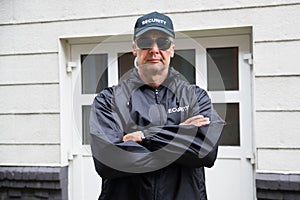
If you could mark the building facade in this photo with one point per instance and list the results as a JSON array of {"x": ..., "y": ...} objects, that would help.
[{"x": 53, "y": 53}]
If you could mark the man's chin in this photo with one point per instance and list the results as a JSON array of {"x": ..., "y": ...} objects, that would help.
[{"x": 154, "y": 68}]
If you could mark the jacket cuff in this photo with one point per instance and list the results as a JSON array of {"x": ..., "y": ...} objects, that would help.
[{"x": 146, "y": 142}]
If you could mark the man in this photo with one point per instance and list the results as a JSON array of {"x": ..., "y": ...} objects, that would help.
[{"x": 153, "y": 133}]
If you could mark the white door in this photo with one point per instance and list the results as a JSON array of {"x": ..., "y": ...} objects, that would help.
[
  {"x": 232, "y": 176},
  {"x": 90, "y": 75},
  {"x": 223, "y": 69},
  {"x": 216, "y": 58}
]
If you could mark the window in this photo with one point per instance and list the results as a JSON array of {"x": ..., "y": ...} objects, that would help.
[
  {"x": 125, "y": 64},
  {"x": 94, "y": 73},
  {"x": 231, "y": 132},
  {"x": 223, "y": 61},
  {"x": 184, "y": 62}
]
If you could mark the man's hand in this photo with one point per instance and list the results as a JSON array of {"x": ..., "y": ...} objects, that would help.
[
  {"x": 198, "y": 120},
  {"x": 135, "y": 136}
]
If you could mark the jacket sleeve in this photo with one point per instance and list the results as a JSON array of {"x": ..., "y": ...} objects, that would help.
[
  {"x": 113, "y": 158},
  {"x": 191, "y": 146}
]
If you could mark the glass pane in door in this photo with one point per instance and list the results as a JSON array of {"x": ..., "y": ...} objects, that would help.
[
  {"x": 94, "y": 74},
  {"x": 231, "y": 132},
  {"x": 184, "y": 62},
  {"x": 85, "y": 124},
  {"x": 222, "y": 68},
  {"x": 125, "y": 64}
]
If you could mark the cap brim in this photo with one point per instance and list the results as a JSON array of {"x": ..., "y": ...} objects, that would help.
[{"x": 141, "y": 32}]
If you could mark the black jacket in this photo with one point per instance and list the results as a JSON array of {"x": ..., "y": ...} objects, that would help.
[{"x": 168, "y": 164}]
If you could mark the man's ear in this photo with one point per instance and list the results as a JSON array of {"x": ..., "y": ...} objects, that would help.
[
  {"x": 134, "y": 49},
  {"x": 172, "y": 51}
]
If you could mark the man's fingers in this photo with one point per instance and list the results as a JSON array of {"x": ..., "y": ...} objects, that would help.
[
  {"x": 198, "y": 120},
  {"x": 202, "y": 122},
  {"x": 191, "y": 120},
  {"x": 135, "y": 136}
]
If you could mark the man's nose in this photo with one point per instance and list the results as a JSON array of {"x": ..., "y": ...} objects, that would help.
[{"x": 154, "y": 48}]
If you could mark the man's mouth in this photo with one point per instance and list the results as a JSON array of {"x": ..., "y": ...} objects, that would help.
[{"x": 156, "y": 60}]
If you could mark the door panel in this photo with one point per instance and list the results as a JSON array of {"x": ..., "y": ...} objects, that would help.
[
  {"x": 97, "y": 66},
  {"x": 232, "y": 174},
  {"x": 221, "y": 70}
]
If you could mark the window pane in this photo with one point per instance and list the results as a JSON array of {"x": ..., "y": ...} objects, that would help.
[
  {"x": 125, "y": 63},
  {"x": 94, "y": 73},
  {"x": 231, "y": 132},
  {"x": 222, "y": 62},
  {"x": 85, "y": 124},
  {"x": 184, "y": 62}
]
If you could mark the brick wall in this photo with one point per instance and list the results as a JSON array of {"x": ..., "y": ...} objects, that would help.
[
  {"x": 33, "y": 183},
  {"x": 278, "y": 186}
]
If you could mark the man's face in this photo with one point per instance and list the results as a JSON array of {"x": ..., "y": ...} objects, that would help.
[{"x": 154, "y": 50}]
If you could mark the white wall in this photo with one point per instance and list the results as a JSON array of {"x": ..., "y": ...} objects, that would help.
[{"x": 30, "y": 78}]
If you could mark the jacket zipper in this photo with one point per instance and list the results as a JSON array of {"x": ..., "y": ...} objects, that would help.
[
  {"x": 161, "y": 123},
  {"x": 155, "y": 187},
  {"x": 156, "y": 96},
  {"x": 159, "y": 107}
]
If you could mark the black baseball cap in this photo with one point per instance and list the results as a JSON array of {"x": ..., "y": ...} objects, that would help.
[{"x": 153, "y": 21}]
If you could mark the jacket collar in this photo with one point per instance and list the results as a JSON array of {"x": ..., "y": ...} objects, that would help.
[{"x": 172, "y": 75}]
